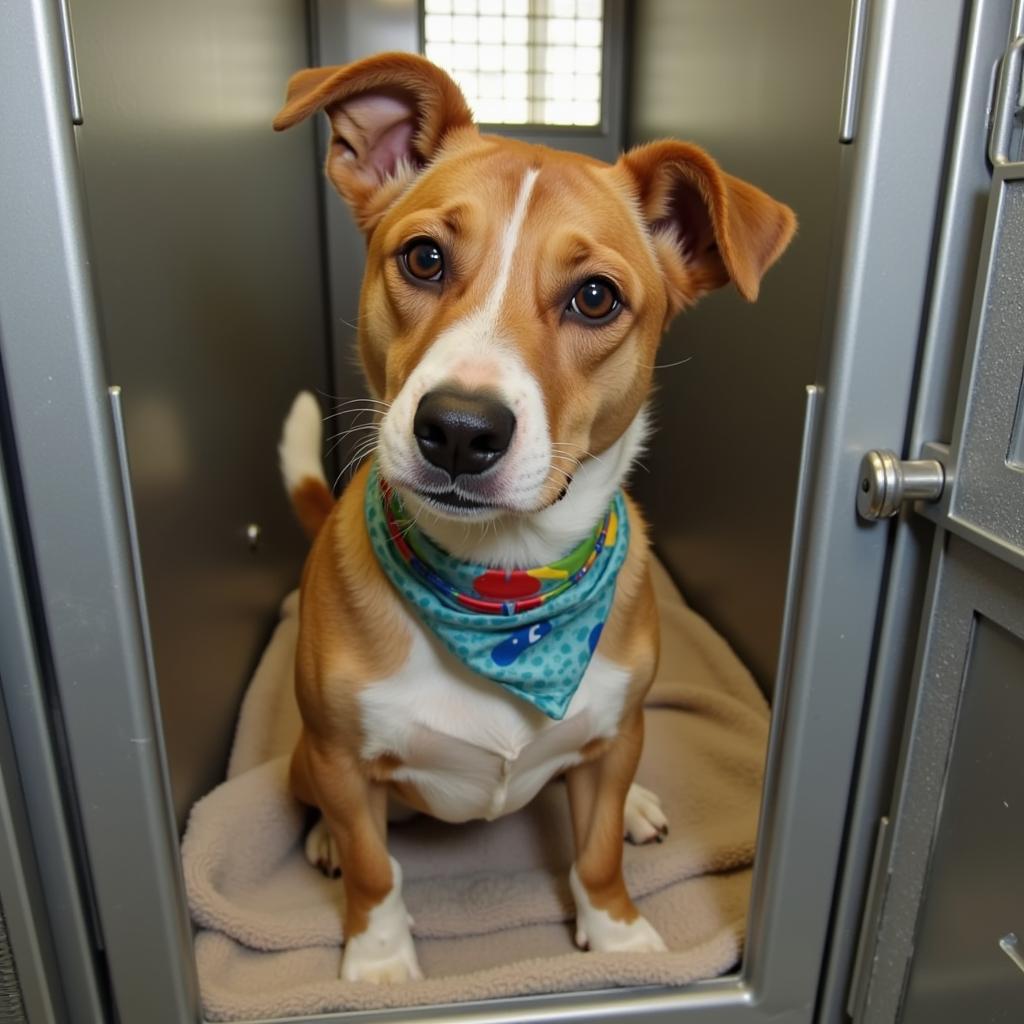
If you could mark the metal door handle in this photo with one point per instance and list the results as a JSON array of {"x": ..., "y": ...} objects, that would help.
[{"x": 886, "y": 481}]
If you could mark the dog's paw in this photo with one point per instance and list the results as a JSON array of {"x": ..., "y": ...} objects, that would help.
[
  {"x": 322, "y": 850},
  {"x": 383, "y": 953},
  {"x": 610, "y": 936},
  {"x": 645, "y": 822},
  {"x": 359, "y": 964},
  {"x": 597, "y": 930}
]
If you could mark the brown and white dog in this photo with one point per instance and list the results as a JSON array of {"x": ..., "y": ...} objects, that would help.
[{"x": 514, "y": 297}]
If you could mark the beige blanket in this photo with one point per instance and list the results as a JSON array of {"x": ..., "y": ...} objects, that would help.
[{"x": 490, "y": 899}]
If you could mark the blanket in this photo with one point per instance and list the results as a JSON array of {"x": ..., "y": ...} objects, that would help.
[{"x": 490, "y": 900}]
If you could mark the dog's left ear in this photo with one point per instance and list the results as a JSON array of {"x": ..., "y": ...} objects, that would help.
[
  {"x": 709, "y": 227},
  {"x": 390, "y": 115}
]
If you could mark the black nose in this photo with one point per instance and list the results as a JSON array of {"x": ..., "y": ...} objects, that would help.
[{"x": 460, "y": 432}]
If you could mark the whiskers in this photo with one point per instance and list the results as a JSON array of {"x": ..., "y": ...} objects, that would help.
[
  {"x": 365, "y": 446},
  {"x": 668, "y": 366},
  {"x": 563, "y": 451},
  {"x": 364, "y": 451}
]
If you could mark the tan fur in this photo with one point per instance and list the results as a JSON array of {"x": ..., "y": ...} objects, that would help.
[
  {"x": 666, "y": 225},
  {"x": 598, "y": 787},
  {"x": 597, "y": 798},
  {"x": 313, "y": 503}
]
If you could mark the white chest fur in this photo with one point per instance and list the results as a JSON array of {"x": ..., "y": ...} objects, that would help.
[{"x": 471, "y": 749}]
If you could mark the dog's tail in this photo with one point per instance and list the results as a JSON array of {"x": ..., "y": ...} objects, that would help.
[{"x": 301, "y": 465}]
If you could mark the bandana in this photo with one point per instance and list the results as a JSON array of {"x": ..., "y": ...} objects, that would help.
[{"x": 533, "y": 631}]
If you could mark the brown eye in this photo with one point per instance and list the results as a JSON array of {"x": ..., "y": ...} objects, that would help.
[
  {"x": 423, "y": 259},
  {"x": 597, "y": 300}
]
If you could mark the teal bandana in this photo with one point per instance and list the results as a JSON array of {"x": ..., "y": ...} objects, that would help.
[{"x": 533, "y": 631}]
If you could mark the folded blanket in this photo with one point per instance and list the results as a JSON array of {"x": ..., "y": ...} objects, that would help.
[{"x": 490, "y": 899}]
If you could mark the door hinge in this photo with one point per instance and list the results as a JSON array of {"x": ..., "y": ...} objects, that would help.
[
  {"x": 874, "y": 903},
  {"x": 71, "y": 62}
]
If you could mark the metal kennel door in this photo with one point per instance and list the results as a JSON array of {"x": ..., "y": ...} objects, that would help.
[{"x": 945, "y": 924}]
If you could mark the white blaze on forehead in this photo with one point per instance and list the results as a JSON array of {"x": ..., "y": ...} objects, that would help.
[
  {"x": 490, "y": 310},
  {"x": 474, "y": 354}
]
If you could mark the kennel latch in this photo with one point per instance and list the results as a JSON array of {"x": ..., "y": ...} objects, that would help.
[{"x": 886, "y": 481}]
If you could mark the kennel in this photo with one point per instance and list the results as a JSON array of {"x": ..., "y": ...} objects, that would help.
[{"x": 173, "y": 274}]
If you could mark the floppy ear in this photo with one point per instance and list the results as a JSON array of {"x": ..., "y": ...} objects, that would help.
[
  {"x": 716, "y": 227},
  {"x": 389, "y": 114}
]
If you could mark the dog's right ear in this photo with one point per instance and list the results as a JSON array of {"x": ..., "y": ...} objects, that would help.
[{"x": 389, "y": 115}]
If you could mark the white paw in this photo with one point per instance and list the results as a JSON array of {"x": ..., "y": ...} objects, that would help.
[
  {"x": 361, "y": 965},
  {"x": 598, "y": 930},
  {"x": 638, "y": 936},
  {"x": 322, "y": 850},
  {"x": 384, "y": 952},
  {"x": 645, "y": 821}
]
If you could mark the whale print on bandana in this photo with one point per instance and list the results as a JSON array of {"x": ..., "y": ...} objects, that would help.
[{"x": 533, "y": 631}]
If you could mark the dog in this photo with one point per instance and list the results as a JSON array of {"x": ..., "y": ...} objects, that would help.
[{"x": 512, "y": 304}]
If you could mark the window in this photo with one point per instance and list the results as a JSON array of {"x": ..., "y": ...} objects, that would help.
[{"x": 521, "y": 61}]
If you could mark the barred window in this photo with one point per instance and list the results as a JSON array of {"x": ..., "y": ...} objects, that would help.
[{"x": 532, "y": 62}]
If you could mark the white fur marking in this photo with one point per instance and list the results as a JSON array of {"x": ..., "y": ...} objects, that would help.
[
  {"x": 598, "y": 930},
  {"x": 471, "y": 748},
  {"x": 472, "y": 354},
  {"x": 299, "y": 449},
  {"x": 384, "y": 952},
  {"x": 509, "y": 243}
]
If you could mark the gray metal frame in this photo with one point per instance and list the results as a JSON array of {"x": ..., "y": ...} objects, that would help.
[
  {"x": 944, "y": 334},
  {"x": 41, "y": 878},
  {"x": 977, "y": 557},
  {"x": 67, "y": 462},
  {"x": 91, "y": 606},
  {"x": 29, "y": 978}
]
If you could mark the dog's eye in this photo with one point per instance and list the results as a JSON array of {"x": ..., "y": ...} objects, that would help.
[
  {"x": 597, "y": 300},
  {"x": 423, "y": 259}
]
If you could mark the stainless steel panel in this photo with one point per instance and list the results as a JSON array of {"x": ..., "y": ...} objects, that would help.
[
  {"x": 86, "y": 608},
  {"x": 988, "y": 487},
  {"x": 928, "y": 923},
  {"x": 205, "y": 239},
  {"x": 975, "y": 890},
  {"x": 878, "y": 292},
  {"x": 759, "y": 86},
  {"x": 974, "y": 632}
]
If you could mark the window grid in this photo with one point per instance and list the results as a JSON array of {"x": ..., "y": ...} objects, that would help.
[{"x": 521, "y": 61}]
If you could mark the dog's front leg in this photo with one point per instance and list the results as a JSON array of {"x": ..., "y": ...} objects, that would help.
[
  {"x": 606, "y": 918},
  {"x": 378, "y": 943}
]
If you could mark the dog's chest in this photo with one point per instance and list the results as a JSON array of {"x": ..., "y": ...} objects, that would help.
[{"x": 469, "y": 747}]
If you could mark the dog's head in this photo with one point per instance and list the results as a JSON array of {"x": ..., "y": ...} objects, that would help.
[{"x": 515, "y": 295}]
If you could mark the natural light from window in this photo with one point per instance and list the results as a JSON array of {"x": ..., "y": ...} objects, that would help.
[{"x": 521, "y": 61}]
